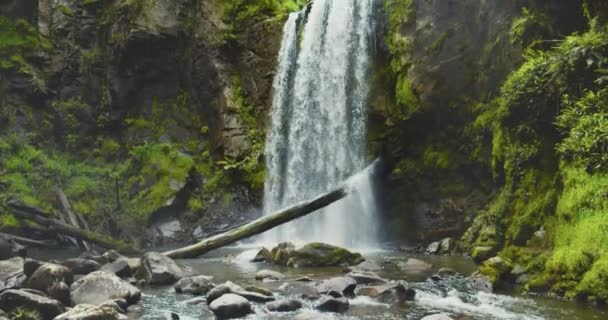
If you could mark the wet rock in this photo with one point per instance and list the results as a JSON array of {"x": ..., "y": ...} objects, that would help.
[
  {"x": 254, "y": 296},
  {"x": 258, "y": 290},
  {"x": 415, "y": 266},
  {"x": 101, "y": 286},
  {"x": 437, "y": 317},
  {"x": 230, "y": 287},
  {"x": 269, "y": 274},
  {"x": 30, "y": 266},
  {"x": 194, "y": 301},
  {"x": 262, "y": 256},
  {"x": 398, "y": 292},
  {"x": 165, "y": 315},
  {"x": 119, "y": 267},
  {"x": 364, "y": 278},
  {"x": 48, "y": 274},
  {"x": 446, "y": 246},
  {"x": 344, "y": 285},
  {"x": 230, "y": 306},
  {"x": 11, "y": 272},
  {"x": 111, "y": 256},
  {"x": 14, "y": 299},
  {"x": 159, "y": 269},
  {"x": 303, "y": 279},
  {"x": 481, "y": 283},
  {"x": 197, "y": 285},
  {"x": 10, "y": 249},
  {"x": 446, "y": 272},
  {"x": 368, "y": 266},
  {"x": 433, "y": 248},
  {"x": 81, "y": 266},
  {"x": 90, "y": 312},
  {"x": 61, "y": 292},
  {"x": 281, "y": 254},
  {"x": 323, "y": 255},
  {"x": 331, "y": 304},
  {"x": 303, "y": 290},
  {"x": 284, "y": 305},
  {"x": 482, "y": 253},
  {"x": 217, "y": 292}
]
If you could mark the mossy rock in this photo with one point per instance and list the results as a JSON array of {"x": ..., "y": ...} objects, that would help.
[
  {"x": 482, "y": 253},
  {"x": 314, "y": 255}
]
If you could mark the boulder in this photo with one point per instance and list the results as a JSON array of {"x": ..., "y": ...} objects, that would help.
[
  {"x": 11, "y": 272},
  {"x": 284, "y": 305},
  {"x": 217, "y": 292},
  {"x": 433, "y": 248},
  {"x": 323, "y": 255},
  {"x": 281, "y": 254},
  {"x": 90, "y": 312},
  {"x": 397, "y": 292},
  {"x": 111, "y": 256},
  {"x": 230, "y": 306},
  {"x": 197, "y": 285},
  {"x": 364, "y": 277},
  {"x": 446, "y": 245},
  {"x": 262, "y": 256},
  {"x": 269, "y": 274},
  {"x": 437, "y": 317},
  {"x": 47, "y": 275},
  {"x": 30, "y": 266},
  {"x": 119, "y": 267},
  {"x": 10, "y": 249},
  {"x": 331, "y": 304},
  {"x": 482, "y": 253},
  {"x": 230, "y": 287},
  {"x": 101, "y": 286},
  {"x": 60, "y": 291},
  {"x": 498, "y": 264},
  {"x": 14, "y": 299},
  {"x": 258, "y": 290},
  {"x": 343, "y": 285},
  {"x": 81, "y": 266},
  {"x": 481, "y": 283},
  {"x": 159, "y": 269}
]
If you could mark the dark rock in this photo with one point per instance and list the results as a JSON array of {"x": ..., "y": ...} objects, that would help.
[
  {"x": 335, "y": 294},
  {"x": 367, "y": 265},
  {"x": 304, "y": 279},
  {"x": 254, "y": 296},
  {"x": 437, "y": 317},
  {"x": 13, "y": 299},
  {"x": 30, "y": 266},
  {"x": 119, "y": 267},
  {"x": 10, "y": 249},
  {"x": 262, "y": 256},
  {"x": 482, "y": 253},
  {"x": 284, "y": 305},
  {"x": 481, "y": 283},
  {"x": 364, "y": 278},
  {"x": 331, "y": 304},
  {"x": 217, "y": 292},
  {"x": 90, "y": 312},
  {"x": 101, "y": 286},
  {"x": 47, "y": 275},
  {"x": 397, "y": 292},
  {"x": 81, "y": 266},
  {"x": 61, "y": 292},
  {"x": 197, "y": 285},
  {"x": 230, "y": 306},
  {"x": 344, "y": 285},
  {"x": 269, "y": 274},
  {"x": 159, "y": 269}
]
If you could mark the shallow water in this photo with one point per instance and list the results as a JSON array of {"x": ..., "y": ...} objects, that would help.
[{"x": 449, "y": 296}]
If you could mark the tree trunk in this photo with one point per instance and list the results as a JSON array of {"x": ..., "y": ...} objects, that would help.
[
  {"x": 25, "y": 241},
  {"x": 34, "y": 214},
  {"x": 258, "y": 226},
  {"x": 71, "y": 217}
]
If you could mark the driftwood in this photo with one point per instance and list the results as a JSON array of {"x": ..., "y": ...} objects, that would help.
[
  {"x": 25, "y": 241},
  {"x": 258, "y": 226},
  {"x": 71, "y": 218},
  {"x": 24, "y": 211}
]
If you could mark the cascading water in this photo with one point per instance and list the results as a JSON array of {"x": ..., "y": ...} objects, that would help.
[{"x": 317, "y": 137}]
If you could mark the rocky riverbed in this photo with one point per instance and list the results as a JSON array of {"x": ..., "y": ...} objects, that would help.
[{"x": 227, "y": 284}]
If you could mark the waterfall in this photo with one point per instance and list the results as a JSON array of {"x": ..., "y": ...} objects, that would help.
[{"x": 318, "y": 123}]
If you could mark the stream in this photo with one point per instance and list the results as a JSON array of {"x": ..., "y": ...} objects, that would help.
[{"x": 450, "y": 295}]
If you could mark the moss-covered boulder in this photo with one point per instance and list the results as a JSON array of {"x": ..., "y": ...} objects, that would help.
[{"x": 314, "y": 255}]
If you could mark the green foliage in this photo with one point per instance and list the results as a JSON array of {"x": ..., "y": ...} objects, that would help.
[
  {"x": 531, "y": 27},
  {"x": 239, "y": 11}
]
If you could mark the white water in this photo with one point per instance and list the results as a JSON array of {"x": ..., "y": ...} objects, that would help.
[{"x": 317, "y": 136}]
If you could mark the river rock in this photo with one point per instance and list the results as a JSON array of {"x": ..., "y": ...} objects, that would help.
[
  {"x": 90, "y": 312},
  {"x": 197, "y": 285},
  {"x": 331, "y": 304},
  {"x": 437, "y": 317},
  {"x": 269, "y": 274},
  {"x": 230, "y": 306},
  {"x": 217, "y": 292},
  {"x": 101, "y": 286},
  {"x": 159, "y": 269},
  {"x": 433, "y": 248},
  {"x": 343, "y": 285},
  {"x": 262, "y": 256},
  {"x": 481, "y": 283},
  {"x": 60, "y": 291},
  {"x": 10, "y": 249},
  {"x": 13, "y": 299},
  {"x": 284, "y": 305},
  {"x": 30, "y": 266},
  {"x": 259, "y": 290},
  {"x": 111, "y": 256},
  {"x": 81, "y": 266},
  {"x": 364, "y": 278},
  {"x": 230, "y": 287},
  {"x": 446, "y": 246},
  {"x": 281, "y": 254},
  {"x": 119, "y": 267},
  {"x": 446, "y": 272},
  {"x": 48, "y": 274},
  {"x": 367, "y": 266},
  {"x": 10, "y": 271},
  {"x": 323, "y": 255}
]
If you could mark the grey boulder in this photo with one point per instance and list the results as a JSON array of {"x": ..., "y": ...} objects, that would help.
[
  {"x": 101, "y": 286},
  {"x": 230, "y": 306},
  {"x": 13, "y": 299},
  {"x": 197, "y": 285}
]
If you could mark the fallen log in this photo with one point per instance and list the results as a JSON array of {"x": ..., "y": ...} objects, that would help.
[
  {"x": 24, "y": 211},
  {"x": 70, "y": 216},
  {"x": 25, "y": 241},
  {"x": 258, "y": 226}
]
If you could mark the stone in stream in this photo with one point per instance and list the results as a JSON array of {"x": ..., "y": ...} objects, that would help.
[
  {"x": 446, "y": 272},
  {"x": 197, "y": 285},
  {"x": 480, "y": 283},
  {"x": 446, "y": 246},
  {"x": 331, "y": 304},
  {"x": 119, "y": 267},
  {"x": 343, "y": 285},
  {"x": 48, "y": 274},
  {"x": 364, "y": 278},
  {"x": 230, "y": 306},
  {"x": 60, "y": 291},
  {"x": 314, "y": 255},
  {"x": 262, "y": 256},
  {"x": 13, "y": 299},
  {"x": 30, "y": 266},
  {"x": 437, "y": 317},
  {"x": 101, "y": 286},
  {"x": 269, "y": 274},
  {"x": 230, "y": 287},
  {"x": 433, "y": 248},
  {"x": 284, "y": 305},
  {"x": 165, "y": 315},
  {"x": 90, "y": 312},
  {"x": 81, "y": 266},
  {"x": 159, "y": 269},
  {"x": 259, "y": 290}
]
